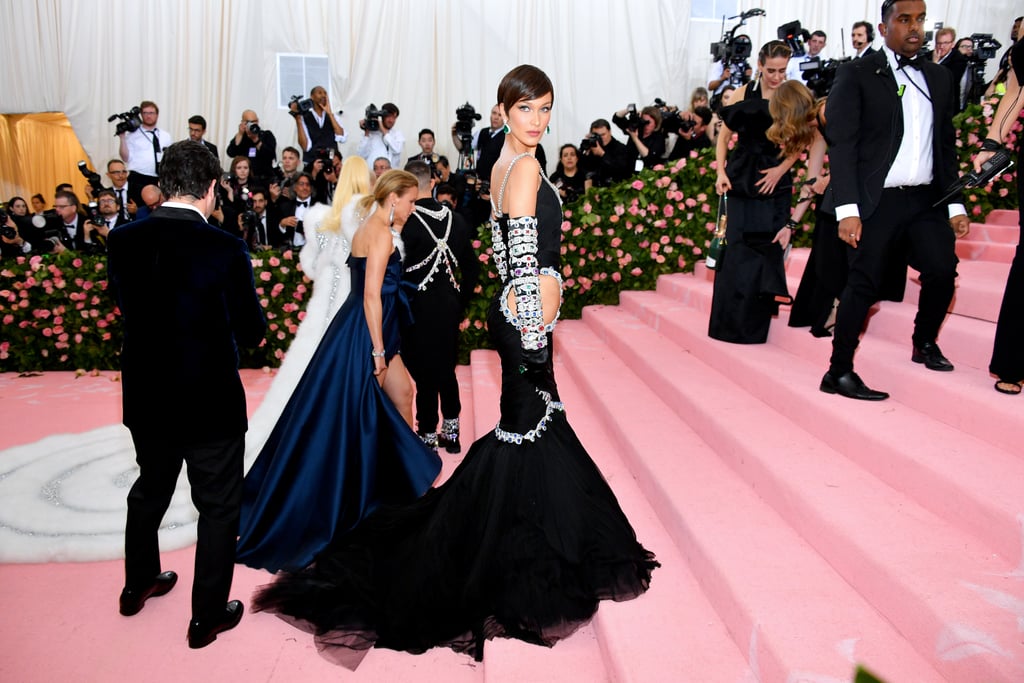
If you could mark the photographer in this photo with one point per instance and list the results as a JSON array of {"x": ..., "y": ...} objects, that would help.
[
  {"x": 605, "y": 159},
  {"x": 18, "y": 237},
  {"x": 693, "y": 133},
  {"x": 256, "y": 144},
  {"x": 570, "y": 180},
  {"x": 286, "y": 174},
  {"x": 258, "y": 223},
  {"x": 318, "y": 129},
  {"x": 291, "y": 228},
  {"x": 142, "y": 149},
  {"x": 326, "y": 170},
  {"x": 815, "y": 46},
  {"x": 646, "y": 140},
  {"x": 109, "y": 210},
  {"x": 380, "y": 137},
  {"x": 426, "y": 142}
]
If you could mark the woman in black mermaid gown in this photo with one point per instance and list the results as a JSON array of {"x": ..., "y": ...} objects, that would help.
[
  {"x": 526, "y": 537},
  {"x": 750, "y": 282}
]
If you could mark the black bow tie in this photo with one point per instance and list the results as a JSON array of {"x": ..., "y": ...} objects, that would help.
[
  {"x": 912, "y": 62},
  {"x": 305, "y": 203}
]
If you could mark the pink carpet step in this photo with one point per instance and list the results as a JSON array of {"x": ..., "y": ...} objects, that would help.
[
  {"x": 963, "y": 479},
  {"x": 781, "y": 600},
  {"x": 1003, "y": 217},
  {"x": 978, "y": 250},
  {"x": 966, "y": 341},
  {"x": 884, "y": 364},
  {"x": 995, "y": 232},
  {"x": 878, "y": 539},
  {"x": 669, "y": 634}
]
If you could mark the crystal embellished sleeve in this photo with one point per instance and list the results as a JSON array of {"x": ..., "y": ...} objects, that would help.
[{"x": 524, "y": 273}]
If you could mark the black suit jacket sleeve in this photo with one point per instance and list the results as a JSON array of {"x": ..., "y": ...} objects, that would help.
[{"x": 469, "y": 262}]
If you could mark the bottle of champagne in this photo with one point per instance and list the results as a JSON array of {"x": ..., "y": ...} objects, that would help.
[{"x": 718, "y": 242}]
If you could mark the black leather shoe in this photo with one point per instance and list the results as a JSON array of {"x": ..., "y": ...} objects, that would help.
[
  {"x": 202, "y": 632},
  {"x": 932, "y": 357},
  {"x": 850, "y": 386},
  {"x": 133, "y": 599}
]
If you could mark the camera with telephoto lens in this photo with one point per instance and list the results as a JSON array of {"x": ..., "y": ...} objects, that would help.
[
  {"x": 6, "y": 230},
  {"x": 672, "y": 120},
  {"x": 371, "y": 118},
  {"x": 249, "y": 217},
  {"x": 631, "y": 121},
  {"x": 302, "y": 105},
  {"x": 253, "y": 128},
  {"x": 92, "y": 177},
  {"x": 92, "y": 212},
  {"x": 130, "y": 121},
  {"x": 590, "y": 142}
]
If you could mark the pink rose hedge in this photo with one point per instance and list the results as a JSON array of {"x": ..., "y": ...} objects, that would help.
[{"x": 57, "y": 314}]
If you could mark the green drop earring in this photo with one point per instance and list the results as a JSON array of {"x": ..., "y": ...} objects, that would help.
[{"x": 505, "y": 129}]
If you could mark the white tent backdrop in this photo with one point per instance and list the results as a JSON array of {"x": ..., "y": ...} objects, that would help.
[{"x": 216, "y": 58}]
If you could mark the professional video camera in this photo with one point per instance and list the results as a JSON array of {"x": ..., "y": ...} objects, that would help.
[
  {"x": 371, "y": 118},
  {"x": 985, "y": 48},
  {"x": 92, "y": 177},
  {"x": 793, "y": 36},
  {"x": 301, "y": 105},
  {"x": 465, "y": 115},
  {"x": 819, "y": 76},
  {"x": 130, "y": 121},
  {"x": 734, "y": 50}
]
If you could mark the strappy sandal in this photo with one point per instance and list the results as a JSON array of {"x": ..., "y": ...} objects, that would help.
[{"x": 1011, "y": 388}]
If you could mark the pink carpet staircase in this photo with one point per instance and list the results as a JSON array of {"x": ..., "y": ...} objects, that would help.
[{"x": 800, "y": 533}]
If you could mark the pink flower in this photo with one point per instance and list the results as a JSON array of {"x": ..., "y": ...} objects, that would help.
[
  {"x": 8, "y": 319},
  {"x": 274, "y": 261},
  {"x": 265, "y": 276},
  {"x": 638, "y": 185},
  {"x": 77, "y": 263},
  {"x": 636, "y": 272},
  {"x": 616, "y": 276},
  {"x": 616, "y": 241},
  {"x": 587, "y": 208}
]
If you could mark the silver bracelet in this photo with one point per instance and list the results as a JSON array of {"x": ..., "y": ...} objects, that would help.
[{"x": 376, "y": 354}]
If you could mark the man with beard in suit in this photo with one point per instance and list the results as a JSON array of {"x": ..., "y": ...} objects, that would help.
[
  {"x": 186, "y": 294},
  {"x": 441, "y": 264},
  {"x": 893, "y": 154}
]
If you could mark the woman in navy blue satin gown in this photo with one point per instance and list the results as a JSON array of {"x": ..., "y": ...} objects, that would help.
[
  {"x": 526, "y": 537},
  {"x": 344, "y": 443}
]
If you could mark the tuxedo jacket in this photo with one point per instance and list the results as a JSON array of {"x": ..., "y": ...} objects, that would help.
[
  {"x": 285, "y": 209},
  {"x": 865, "y": 128},
  {"x": 212, "y": 147},
  {"x": 187, "y": 299}
]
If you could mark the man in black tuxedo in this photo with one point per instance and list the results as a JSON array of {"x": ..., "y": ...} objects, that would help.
[
  {"x": 892, "y": 155},
  {"x": 291, "y": 228},
  {"x": 197, "y": 131},
  {"x": 186, "y": 294}
]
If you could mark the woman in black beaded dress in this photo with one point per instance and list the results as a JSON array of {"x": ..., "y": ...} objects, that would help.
[{"x": 526, "y": 537}]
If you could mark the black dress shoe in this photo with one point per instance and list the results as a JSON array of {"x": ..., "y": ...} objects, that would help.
[
  {"x": 202, "y": 632},
  {"x": 850, "y": 386},
  {"x": 932, "y": 357},
  {"x": 133, "y": 599}
]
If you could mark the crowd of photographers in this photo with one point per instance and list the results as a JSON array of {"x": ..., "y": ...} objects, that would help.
[{"x": 264, "y": 196}]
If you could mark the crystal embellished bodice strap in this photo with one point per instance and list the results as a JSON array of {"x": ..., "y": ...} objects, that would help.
[{"x": 442, "y": 254}]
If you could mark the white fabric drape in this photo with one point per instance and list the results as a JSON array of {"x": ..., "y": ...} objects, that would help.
[{"x": 91, "y": 59}]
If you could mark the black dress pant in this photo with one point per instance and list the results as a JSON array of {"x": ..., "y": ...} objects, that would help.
[
  {"x": 903, "y": 214},
  {"x": 215, "y": 474},
  {"x": 430, "y": 352}
]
